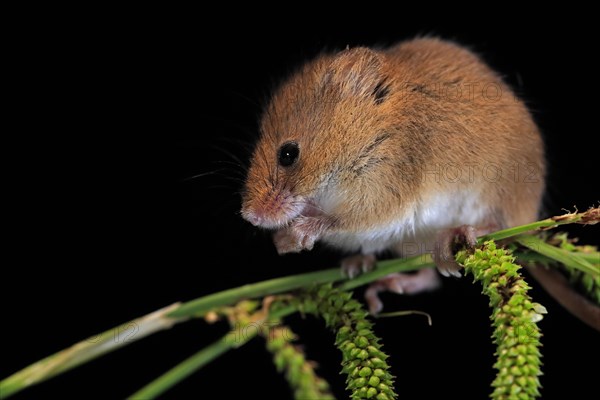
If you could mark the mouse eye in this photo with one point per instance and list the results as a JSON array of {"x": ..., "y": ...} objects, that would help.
[{"x": 288, "y": 154}]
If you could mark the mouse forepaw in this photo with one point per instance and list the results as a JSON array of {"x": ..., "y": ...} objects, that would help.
[
  {"x": 301, "y": 234},
  {"x": 449, "y": 241},
  {"x": 286, "y": 242}
]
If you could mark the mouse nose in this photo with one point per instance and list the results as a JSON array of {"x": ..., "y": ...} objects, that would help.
[
  {"x": 252, "y": 217},
  {"x": 254, "y": 220}
]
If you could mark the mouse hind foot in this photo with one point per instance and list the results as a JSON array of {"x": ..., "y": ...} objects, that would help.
[
  {"x": 355, "y": 265},
  {"x": 448, "y": 242},
  {"x": 401, "y": 283}
]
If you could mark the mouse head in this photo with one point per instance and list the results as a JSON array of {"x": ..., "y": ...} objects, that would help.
[{"x": 321, "y": 130}]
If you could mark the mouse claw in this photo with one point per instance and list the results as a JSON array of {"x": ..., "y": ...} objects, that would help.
[
  {"x": 354, "y": 265},
  {"x": 444, "y": 272},
  {"x": 368, "y": 263},
  {"x": 307, "y": 242},
  {"x": 347, "y": 272},
  {"x": 448, "y": 272},
  {"x": 395, "y": 286},
  {"x": 449, "y": 241},
  {"x": 301, "y": 234},
  {"x": 350, "y": 270},
  {"x": 456, "y": 274}
]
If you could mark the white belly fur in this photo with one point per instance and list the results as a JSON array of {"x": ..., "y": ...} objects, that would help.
[{"x": 415, "y": 231}]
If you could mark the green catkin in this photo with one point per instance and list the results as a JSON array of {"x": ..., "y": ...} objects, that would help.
[
  {"x": 363, "y": 361},
  {"x": 299, "y": 372},
  {"x": 514, "y": 320}
]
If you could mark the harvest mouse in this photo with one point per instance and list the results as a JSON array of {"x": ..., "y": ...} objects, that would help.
[{"x": 399, "y": 149}]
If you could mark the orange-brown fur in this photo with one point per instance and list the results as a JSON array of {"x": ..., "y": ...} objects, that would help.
[
  {"x": 390, "y": 155},
  {"x": 328, "y": 108}
]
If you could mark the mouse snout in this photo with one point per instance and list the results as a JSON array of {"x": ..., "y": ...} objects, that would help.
[
  {"x": 273, "y": 210},
  {"x": 264, "y": 217},
  {"x": 252, "y": 217}
]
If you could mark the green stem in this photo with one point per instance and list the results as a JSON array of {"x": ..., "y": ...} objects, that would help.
[
  {"x": 183, "y": 370},
  {"x": 590, "y": 216},
  {"x": 88, "y": 350},
  {"x": 593, "y": 258},
  {"x": 568, "y": 258},
  {"x": 200, "y": 359},
  {"x": 405, "y": 313},
  {"x": 202, "y": 305},
  {"x": 199, "y": 307}
]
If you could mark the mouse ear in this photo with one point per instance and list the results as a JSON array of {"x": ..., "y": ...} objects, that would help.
[{"x": 357, "y": 71}]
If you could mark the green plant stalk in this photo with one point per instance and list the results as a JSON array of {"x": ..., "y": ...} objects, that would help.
[
  {"x": 187, "y": 367},
  {"x": 200, "y": 306},
  {"x": 570, "y": 259},
  {"x": 183, "y": 370},
  {"x": 592, "y": 258},
  {"x": 88, "y": 350},
  {"x": 589, "y": 217},
  {"x": 590, "y": 284}
]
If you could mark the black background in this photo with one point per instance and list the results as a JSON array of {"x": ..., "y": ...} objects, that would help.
[{"x": 114, "y": 117}]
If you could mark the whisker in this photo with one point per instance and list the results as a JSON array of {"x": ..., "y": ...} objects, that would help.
[
  {"x": 231, "y": 155},
  {"x": 201, "y": 175},
  {"x": 218, "y": 187}
]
